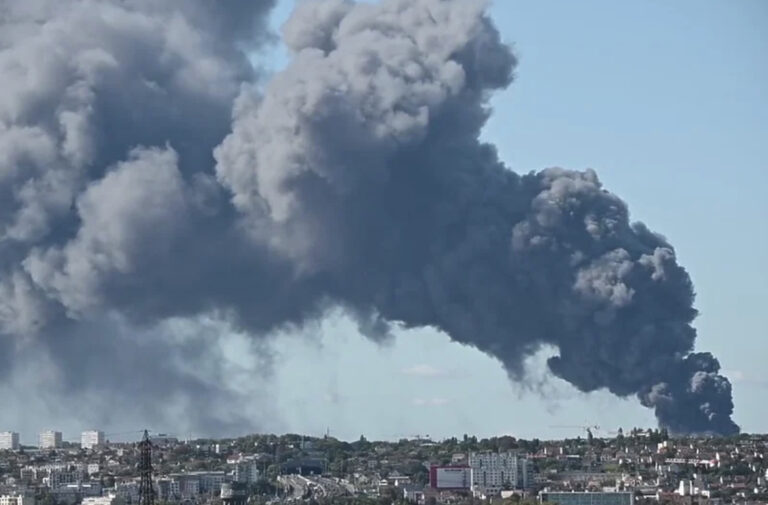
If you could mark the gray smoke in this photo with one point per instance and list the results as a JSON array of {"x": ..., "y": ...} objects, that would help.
[
  {"x": 354, "y": 179},
  {"x": 109, "y": 207}
]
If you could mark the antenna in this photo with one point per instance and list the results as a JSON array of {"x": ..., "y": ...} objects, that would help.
[{"x": 146, "y": 490}]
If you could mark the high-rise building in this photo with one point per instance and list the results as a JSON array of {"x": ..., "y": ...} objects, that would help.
[
  {"x": 92, "y": 439},
  {"x": 9, "y": 441},
  {"x": 50, "y": 439},
  {"x": 491, "y": 472}
]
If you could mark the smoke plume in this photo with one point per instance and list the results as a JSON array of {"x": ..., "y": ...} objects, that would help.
[{"x": 147, "y": 177}]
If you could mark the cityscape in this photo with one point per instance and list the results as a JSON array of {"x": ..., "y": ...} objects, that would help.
[
  {"x": 594, "y": 467},
  {"x": 274, "y": 239}
]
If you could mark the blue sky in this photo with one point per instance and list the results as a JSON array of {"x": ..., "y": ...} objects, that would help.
[{"x": 668, "y": 102}]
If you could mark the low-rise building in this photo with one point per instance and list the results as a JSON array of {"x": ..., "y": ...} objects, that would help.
[
  {"x": 16, "y": 499},
  {"x": 450, "y": 477},
  {"x": 110, "y": 499},
  {"x": 588, "y": 498}
]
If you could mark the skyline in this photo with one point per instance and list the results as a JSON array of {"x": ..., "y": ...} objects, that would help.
[{"x": 537, "y": 121}]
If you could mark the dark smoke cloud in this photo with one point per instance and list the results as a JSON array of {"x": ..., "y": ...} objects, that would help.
[
  {"x": 355, "y": 179},
  {"x": 109, "y": 207}
]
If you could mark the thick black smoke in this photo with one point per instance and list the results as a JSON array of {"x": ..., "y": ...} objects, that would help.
[{"x": 355, "y": 179}]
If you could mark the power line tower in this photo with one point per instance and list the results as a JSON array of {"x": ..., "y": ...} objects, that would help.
[{"x": 146, "y": 490}]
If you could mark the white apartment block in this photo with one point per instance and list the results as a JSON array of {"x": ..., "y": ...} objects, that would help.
[
  {"x": 92, "y": 439},
  {"x": 50, "y": 439},
  {"x": 492, "y": 472},
  {"x": 9, "y": 441}
]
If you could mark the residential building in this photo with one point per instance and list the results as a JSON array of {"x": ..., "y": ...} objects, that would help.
[
  {"x": 91, "y": 439},
  {"x": 191, "y": 484},
  {"x": 16, "y": 499},
  {"x": 450, "y": 477},
  {"x": 62, "y": 478},
  {"x": 588, "y": 498},
  {"x": 413, "y": 493},
  {"x": 110, "y": 499},
  {"x": 235, "y": 493},
  {"x": 9, "y": 441},
  {"x": 492, "y": 472},
  {"x": 246, "y": 471},
  {"x": 210, "y": 482},
  {"x": 50, "y": 439}
]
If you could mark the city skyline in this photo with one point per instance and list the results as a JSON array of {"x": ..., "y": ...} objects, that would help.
[
  {"x": 633, "y": 467},
  {"x": 105, "y": 323}
]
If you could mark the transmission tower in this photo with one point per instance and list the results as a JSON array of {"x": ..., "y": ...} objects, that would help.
[{"x": 146, "y": 490}]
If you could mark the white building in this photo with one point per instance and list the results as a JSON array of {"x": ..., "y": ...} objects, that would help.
[
  {"x": 50, "y": 439},
  {"x": 492, "y": 472},
  {"x": 191, "y": 484},
  {"x": 9, "y": 441},
  {"x": 63, "y": 478},
  {"x": 246, "y": 470},
  {"x": 91, "y": 439},
  {"x": 450, "y": 477},
  {"x": 11, "y": 499},
  {"x": 110, "y": 499}
]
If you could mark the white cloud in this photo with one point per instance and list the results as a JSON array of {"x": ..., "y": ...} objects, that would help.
[{"x": 424, "y": 370}]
